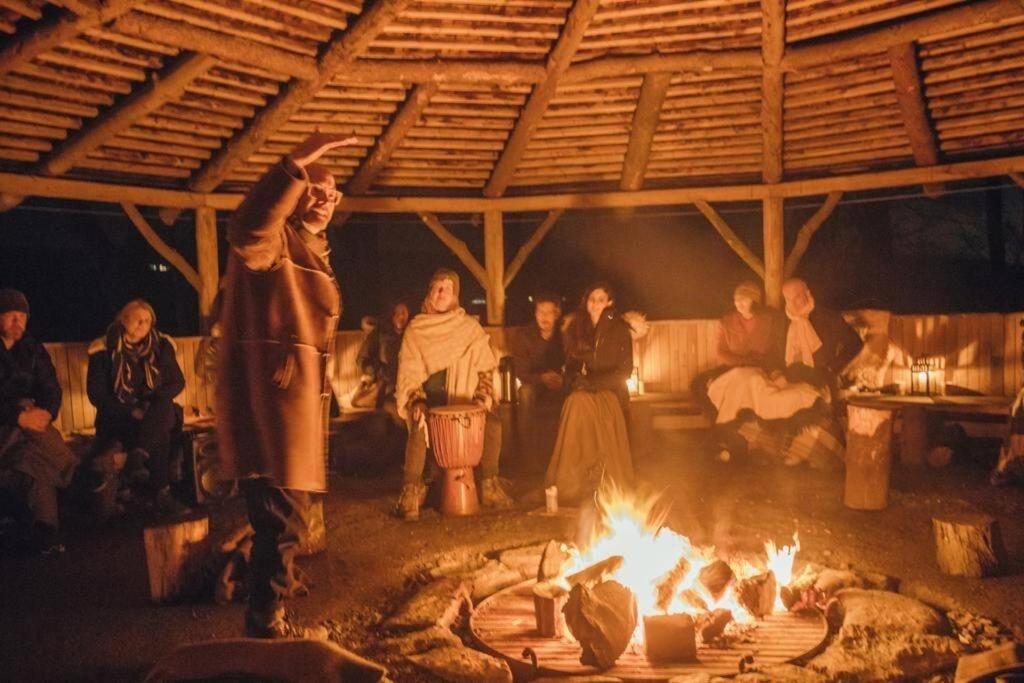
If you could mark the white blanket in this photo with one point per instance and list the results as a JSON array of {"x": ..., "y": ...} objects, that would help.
[{"x": 749, "y": 388}]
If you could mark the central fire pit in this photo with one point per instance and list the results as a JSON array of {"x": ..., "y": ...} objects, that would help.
[{"x": 504, "y": 624}]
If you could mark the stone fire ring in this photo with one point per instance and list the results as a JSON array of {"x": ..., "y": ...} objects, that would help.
[{"x": 504, "y": 625}]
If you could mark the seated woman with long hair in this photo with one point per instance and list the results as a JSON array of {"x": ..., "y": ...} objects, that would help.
[
  {"x": 592, "y": 446},
  {"x": 132, "y": 380}
]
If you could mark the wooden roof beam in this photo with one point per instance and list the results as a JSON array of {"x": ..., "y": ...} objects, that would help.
[
  {"x": 699, "y": 62},
  {"x": 910, "y": 97},
  {"x": 576, "y": 24},
  {"x": 875, "y": 39},
  {"x": 807, "y": 230},
  {"x": 54, "y": 29},
  {"x": 641, "y": 134},
  {"x": 773, "y": 44},
  {"x": 1018, "y": 178},
  {"x": 536, "y": 238},
  {"x": 337, "y": 54},
  {"x": 167, "y": 251},
  {"x": 378, "y": 158},
  {"x": 457, "y": 247},
  {"x": 160, "y": 89},
  {"x": 731, "y": 238}
]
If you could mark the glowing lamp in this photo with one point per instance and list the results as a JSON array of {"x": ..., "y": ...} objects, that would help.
[
  {"x": 634, "y": 383},
  {"x": 927, "y": 377}
]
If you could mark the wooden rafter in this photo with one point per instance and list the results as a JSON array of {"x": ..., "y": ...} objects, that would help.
[
  {"x": 55, "y": 29},
  {"x": 641, "y": 134},
  {"x": 160, "y": 89},
  {"x": 576, "y": 24},
  {"x": 1018, "y": 178},
  {"x": 161, "y": 247},
  {"x": 338, "y": 54},
  {"x": 773, "y": 44},
  {"x": 524, "y": 251},
  {"x": 457, "y": 247},
  {"x": 807, "y": 230},
  {"x": 43, "y": 186},
  {"x": 731, "y": 238},
  {"x": 876, "y": 39},
  {"x": 910, "y": 97}
]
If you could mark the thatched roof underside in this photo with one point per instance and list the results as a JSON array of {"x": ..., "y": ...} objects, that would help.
[{"x": 504, "y": 96}]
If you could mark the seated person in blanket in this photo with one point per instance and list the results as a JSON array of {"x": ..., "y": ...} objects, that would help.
[{"x": 445, "y": 359}]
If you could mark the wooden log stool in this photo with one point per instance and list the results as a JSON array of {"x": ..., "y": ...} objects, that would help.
[
  {"x": 868, "y": 457},
  {"x": 969, "y": 545},
  {"x": 175, "y": 551}
]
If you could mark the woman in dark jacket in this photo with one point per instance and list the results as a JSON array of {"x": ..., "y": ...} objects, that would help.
[
  {"x": 592, "y": 444},
  {"x": 133, "y": 379}
]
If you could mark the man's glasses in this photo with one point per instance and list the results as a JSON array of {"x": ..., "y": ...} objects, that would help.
[{"x": 324, "y": 194}]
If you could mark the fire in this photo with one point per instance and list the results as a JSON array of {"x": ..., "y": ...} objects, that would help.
[{"x": 662, "y": 567}]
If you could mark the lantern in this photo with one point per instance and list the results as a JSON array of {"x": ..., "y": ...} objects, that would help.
[
  {"x": 634, "y": 383},
  {"x": 927, "y": 377}
]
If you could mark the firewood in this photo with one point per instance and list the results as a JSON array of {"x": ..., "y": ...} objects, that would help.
[
  {"x": 716, "y": 577},
  {"x": 551, "y": 561},
  {"x": 602, "y": 619},
  {"x": 669, "y": 583},
  {"x": 173, "y": 552},
  {"x": 548, "y": 601},
  {"x": 757, "y": 594},
  {"x": 596, "y": 572},
  {"x": 968, "y": 545},
  {"x": 693, "y": 599},
  {"x": 670, "y": 638},
  {"x": 712, "y": 624}
]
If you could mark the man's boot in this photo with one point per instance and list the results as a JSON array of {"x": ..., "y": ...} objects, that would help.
[
  {"x": 493, "y": 495},
  {"x": 409, "y": 502}
]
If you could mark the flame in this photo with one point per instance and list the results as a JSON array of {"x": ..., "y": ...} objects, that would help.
[{"x": 657, "y": 559}]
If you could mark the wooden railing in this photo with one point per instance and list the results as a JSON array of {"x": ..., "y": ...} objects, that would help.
[{"x": 982, "y": 353}]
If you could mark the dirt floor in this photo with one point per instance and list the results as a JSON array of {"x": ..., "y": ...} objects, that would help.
[{"x": 85, "y": 614}]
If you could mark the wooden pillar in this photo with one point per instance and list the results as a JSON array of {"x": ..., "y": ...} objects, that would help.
[
  {"x": 774, "y": 250},
  {"x": 494, "y": 262},
  {"x": 207, "y": 264}
]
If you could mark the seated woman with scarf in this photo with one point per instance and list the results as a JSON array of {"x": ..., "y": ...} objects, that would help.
[
  {"x": 592, "y": 446},
  {"x": 132, "y": 380},
  {"x": 445, "y": 359}
]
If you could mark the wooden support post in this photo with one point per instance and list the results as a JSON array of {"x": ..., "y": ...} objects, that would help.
[
  {"x": 774, "y": 250},
  {"x": 208, "y": 264},
  {"x": 731, "y": 238},
  {"x": 910, "y": 97},
  {"x": 807, "y": 230},
  {"x": 457, "y": 247},
  {"x": 161, "y": 247},
  {"x": 773, "y": 43},
  {"x": 524, "y": 251},
  {"x": 913, "y": 435},
  {"x": 494, "y": 259}
]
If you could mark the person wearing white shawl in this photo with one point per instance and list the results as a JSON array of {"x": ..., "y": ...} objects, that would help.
[
  {"x": 445, "y": 359},
  {"x": 819, "y": 343}
]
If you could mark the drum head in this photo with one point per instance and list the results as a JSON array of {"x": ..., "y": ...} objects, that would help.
[{"x": 456, "y": 410}]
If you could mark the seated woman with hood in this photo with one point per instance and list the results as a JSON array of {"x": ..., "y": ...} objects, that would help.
[
  {"x": 132, "y": 380},
  {"x": 592, "y": 446}
]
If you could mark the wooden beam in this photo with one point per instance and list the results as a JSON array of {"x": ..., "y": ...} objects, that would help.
[
  {"x": 697, "y": 62},
  {"x": 63, "y": 188},
  {"x": 641, "y": 134},
  {"x": 208, "y": 264},
  {"x": 9, "y": 201},
  {"x": 807, "y": 230},
  {"x": 1018, "y": 178},
  {"x": 339, "y": 53},
  {"x": 494, "y": 259},
  {"x": 160, "y": 89},
  {"x": 457, "y": 247},
  {"x": 874, "y": 40},
  {"x": 221, "y": 45},
  {"x": 559, "y": 59},
  {"x": 161, "y": 247},
  {"x": 731, "y": 238},
  {"x": 774, "y": 250},
  {"x": 773, "y": 44},
  {"x": 54, "y": 30},
  {"x": 906, "y": 76},
  {"x": 524, "y": 251}
]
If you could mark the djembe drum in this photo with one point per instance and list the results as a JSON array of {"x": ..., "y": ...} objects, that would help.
[{"x": 457, "y": 439}]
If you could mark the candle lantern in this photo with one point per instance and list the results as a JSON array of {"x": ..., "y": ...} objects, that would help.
[
  {"x": 634, "y": 383},
  {"x": 927, "y": 377}
]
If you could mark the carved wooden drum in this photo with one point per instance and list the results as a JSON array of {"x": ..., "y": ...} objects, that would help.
[{"x": 457, "y": 439}]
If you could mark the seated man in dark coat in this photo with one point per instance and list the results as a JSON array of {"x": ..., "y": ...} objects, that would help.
[
  {"x": 34, "y": 460},
  {"x": 539, "y": 356},
  {"x": 819, "y": 343}
]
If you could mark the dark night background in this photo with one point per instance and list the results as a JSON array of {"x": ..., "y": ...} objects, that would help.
[{"x": 79, "y": 262}]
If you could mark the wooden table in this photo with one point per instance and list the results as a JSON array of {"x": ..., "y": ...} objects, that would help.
[{"x": 913, "y": 411}]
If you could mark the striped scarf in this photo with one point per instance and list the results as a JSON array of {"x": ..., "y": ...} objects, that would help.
[{"x": 126, "y": 357}]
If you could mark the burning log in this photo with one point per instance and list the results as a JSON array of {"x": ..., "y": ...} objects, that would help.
[
  {"x": 693, "y": 599},
  {"x": 968, "y": 545},
  {"x": 712, "y": 624},
  {"x": 757, "y": 594},
  {"x": 669, "y": 583},
  {"x": 800, "y": 594},
  {"x": 716, "y": 577},
  {"x": 602, "y": 619},
  {"x": 596, "y": 573},
  {"x": 548, "y": 601},
  {"x": 670, "y": 638}
]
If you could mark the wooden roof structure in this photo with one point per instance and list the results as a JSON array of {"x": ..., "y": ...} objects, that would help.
[{"x": 512, "y": 105}]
